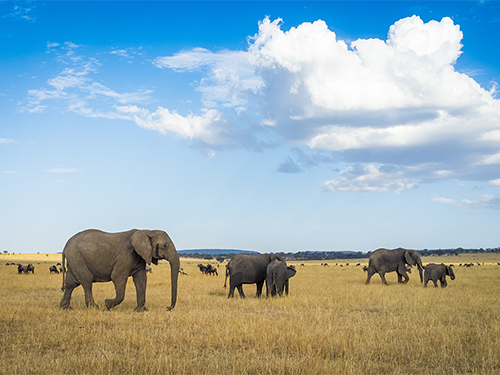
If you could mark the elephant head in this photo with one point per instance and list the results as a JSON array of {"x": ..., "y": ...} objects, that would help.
[
  {"x": 412, "y": 258},
  {"x": 153, "y": 245},
  {"x": 449, "y": 272}
]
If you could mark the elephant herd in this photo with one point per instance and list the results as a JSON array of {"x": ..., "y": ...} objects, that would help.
[
  {"x": 257, "y": 269},
  {"x": 382, "y": 261},
  {"x": 96, "y": 256}
]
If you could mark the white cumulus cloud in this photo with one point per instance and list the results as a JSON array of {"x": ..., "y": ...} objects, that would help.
[{"x": 374, "y": 101}]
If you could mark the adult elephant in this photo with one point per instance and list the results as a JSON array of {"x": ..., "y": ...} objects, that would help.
[
  {"x": 437, "y": 272},
  {"x": 96, "y": 256},
  {"x": 248, "y": 269},
  {"x": 384, "y": 260},
  {"x": 278, "y": 274}
]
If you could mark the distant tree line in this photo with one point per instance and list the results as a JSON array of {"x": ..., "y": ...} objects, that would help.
[{"x": 331, "y": 255}]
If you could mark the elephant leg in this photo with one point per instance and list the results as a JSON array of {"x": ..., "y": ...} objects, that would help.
[
  {"x": 406, "y": 278},
  {"x": 240, "y": 291},
  {"x": 426, "y": 280},
  {"x": 140, "y": 280},
  {"x": 89, "y": 299},
  {"x": 435, "y": 283},
  {"x": 286, "y": 287},
  {"x": 120, "y": 285},
  {"x": 444, "y": 284},
  {"x": 71, "y": 284},
  {"x": 232, "y": 286},
  {"x": 382, "y": 276},
  {"x": 402, "y": 274},
  {"x": 371, "y": 272},
  {"x": 260, "y": 285},
  {"x": 280, "y": 290}
]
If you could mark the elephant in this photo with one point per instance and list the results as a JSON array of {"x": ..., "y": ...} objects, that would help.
[
  {"x": 97, "y": 256},
  {"x": 53, "y": 269},
  {"x": 384, "y": 260},
  {"x": 277, "y": 278},
  {"x": 437, "y": 272},
  {"x": 22, "y": 269},
  {"x": 248, "y": 269}
]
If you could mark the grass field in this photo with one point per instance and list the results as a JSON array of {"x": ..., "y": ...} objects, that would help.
[{"x": 331, "y": 323}]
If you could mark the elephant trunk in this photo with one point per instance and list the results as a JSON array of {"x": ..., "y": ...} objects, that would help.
[
  {"x": 420, "y": 269},
  {"x": 174, "y": 275}
]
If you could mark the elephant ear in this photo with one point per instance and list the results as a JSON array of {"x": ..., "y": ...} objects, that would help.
[
  {"x": 143, "y": 245},
  {"x": 290, "y": 271},
  {"x": 408, "y": 258}
]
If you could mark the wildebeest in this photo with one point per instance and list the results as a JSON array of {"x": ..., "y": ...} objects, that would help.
[
  {"x": 208, "y": 269},
  {"x": 53, "y": 269},
  {"x": 202, "y": 268},
  {"x": 211, "y": 270}
]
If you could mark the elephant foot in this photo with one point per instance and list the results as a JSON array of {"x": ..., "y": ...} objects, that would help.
[
  {"x": 140, "y": 309},
  {"x": 109, "y": 304},
  {"x": 66, "y": 307}
]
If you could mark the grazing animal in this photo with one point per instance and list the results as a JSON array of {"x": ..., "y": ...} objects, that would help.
[
  {"x": 437, "y": 272},
  {"x": 383, "y": 260},
  {"x": 211, "y": 270},
  {"x": 149, "y": 269},
  {"x": 248, "y": 269},
  {"x": 53, "y": 269},
  {"x": 182, "y": 272},
  {"x": 96, "y": 256},
  {"x": 22, "y": 269},
  {"x": 31, "y": 268},
  {"x": 278, "y": 274},
  {"x": 202, "y": 268}
]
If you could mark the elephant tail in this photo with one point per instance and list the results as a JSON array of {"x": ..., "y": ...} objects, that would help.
[
  {"x": 63, "y": 271},
  {"x": 227, "y": 273}
]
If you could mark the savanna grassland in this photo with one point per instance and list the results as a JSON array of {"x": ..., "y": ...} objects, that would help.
[{"x": 331, "y": 323}]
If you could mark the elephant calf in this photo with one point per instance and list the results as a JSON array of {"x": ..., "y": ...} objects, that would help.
[
  {"x": 278, "y": 274},
  {"x": 437, "y": 272}
]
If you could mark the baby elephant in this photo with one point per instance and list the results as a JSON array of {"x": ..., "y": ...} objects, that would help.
[
  {"x": 437, "y": 272},
  {"x": 277, "y": 277}
]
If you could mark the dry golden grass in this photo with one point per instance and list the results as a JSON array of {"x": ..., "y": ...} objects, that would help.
[{"x": 330, "y": 324}]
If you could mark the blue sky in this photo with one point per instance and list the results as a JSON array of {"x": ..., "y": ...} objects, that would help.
[{"x": 270, "y": 126}]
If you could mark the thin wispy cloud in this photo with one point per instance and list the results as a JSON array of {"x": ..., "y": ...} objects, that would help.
[
  {"x": 18, "y": 10},
  {"x": 6, "y": 141},
  {"x": 486, "y": 201},
  {"x": 75, "y": 88},
  {"x": 63, "y": 170}
]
